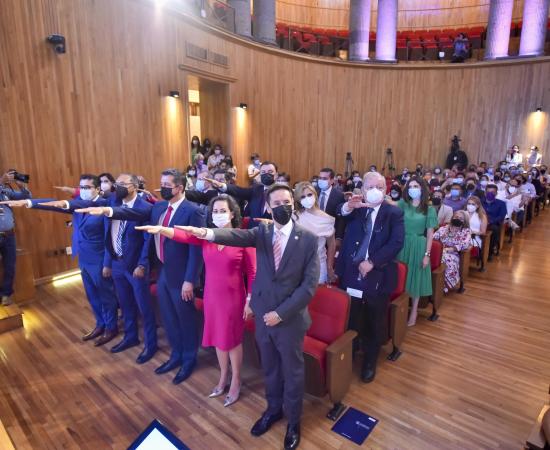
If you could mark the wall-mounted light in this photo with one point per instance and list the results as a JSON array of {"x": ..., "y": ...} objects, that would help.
[
  {"x": 58, "y": 42},
  {"x": 539, "y": 109},
  {"x": 175, "y": 94},
  {"x": 243, "y": 106}
]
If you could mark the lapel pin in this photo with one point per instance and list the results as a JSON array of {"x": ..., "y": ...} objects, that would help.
[{"x": 296, "y": 237}]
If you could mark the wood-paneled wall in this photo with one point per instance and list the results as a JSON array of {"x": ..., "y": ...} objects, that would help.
[
  {"x": 104, "y": 106},
  {"x": 412, "y": 13}
]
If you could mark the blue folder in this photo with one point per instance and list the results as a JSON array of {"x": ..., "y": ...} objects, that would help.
[{"x": 355, "y": 425}]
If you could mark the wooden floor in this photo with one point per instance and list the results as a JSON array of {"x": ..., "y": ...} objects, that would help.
[{"x": 475, "y": 379}]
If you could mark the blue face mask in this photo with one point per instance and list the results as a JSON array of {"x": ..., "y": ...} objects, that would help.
[
  {"x": 415, "y": 193},
  {"x": 323, "y": 184},
  {"x": 200, "y": 185},
  {"x": 87, "y": 194},
  {"x": 455, "y": 192}
]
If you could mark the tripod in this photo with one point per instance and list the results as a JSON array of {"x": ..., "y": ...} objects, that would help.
[
  {"x": 388, "y": 163},
  {"x": 348, "y": 165}
]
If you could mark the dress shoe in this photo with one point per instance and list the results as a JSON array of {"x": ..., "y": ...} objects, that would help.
[
  {"x": 184, "y": 373},
  {"x": 167, "y": 366},
  {"x": 96, "y": 332},
  {"x": 292, "y": 437},
  {"x": 124, "y": 345},
  {"x": 108, "y": 336},
  {"x": 230, "y": 399},
  {"x": 368, "y": 374},
  {"x": 146, "y": 355},
  {"x": 7, "y": 300},
  {"x": 217, "y": 391},
  {"x": 264, "y": 423}
]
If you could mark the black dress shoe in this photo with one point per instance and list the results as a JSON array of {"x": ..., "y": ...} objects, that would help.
[
  {"x": 292, "y": 437},
  {"x": 146, "y": 355},
  {"x": 167, "y": 366},
  {"x": 368, "y": 374},
  {"x": 184, "y": 373},
  {"x": 96, "y": 332},
  {"x": 108, "y": 336},
  {"x": 124, "y": 345},
  {"x": 264, "y": 423}
]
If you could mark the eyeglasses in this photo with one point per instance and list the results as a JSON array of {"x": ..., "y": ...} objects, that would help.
[
  {"x": 123, "y": 184},
  {"x": 86, "y": 188}
]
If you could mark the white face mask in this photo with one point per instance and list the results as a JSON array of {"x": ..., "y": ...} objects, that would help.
[
  {"x": 221, "y": 219},
  {"x": 87, "y": 194},
  {"x": 471, "y": 208},
  {"x": 512, "y": 189},
  {"x": 106, "y": 187},
  {"x": 374, "y": 196},
  {"x": 308, "y": 202}
]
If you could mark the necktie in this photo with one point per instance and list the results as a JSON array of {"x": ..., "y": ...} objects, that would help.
[
  {"x": 363, "y": 249},
  {"x": 277, "y": 249},
  {"x": 120, "y": 234},
  {"x": 323, "y": 200},
  {"x": 165, "y": 223}
]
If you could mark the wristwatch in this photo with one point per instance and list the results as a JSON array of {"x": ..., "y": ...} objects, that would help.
[{"x": 427, "y": 254}]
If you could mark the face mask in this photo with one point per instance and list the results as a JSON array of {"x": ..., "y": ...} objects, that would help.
[
  {"x": 314, "y": 183},
  {"x": 490, "y": 196},
  {"x": 485, "y": 182},
  {"x": 502, "y": 167},
  {"x": 323, "y": 184},
  {"x": 457, "y": 223},
  {"x": 166, "y": 193},
  {"x": 471, "y": 208},
  {"x": 436, "y": 201},
  {"x": 490, "y": 170},
  {"x": 282, "y": 183},
  {"x": 87, "y": 194},
  {"x": 221, "y": 219},
  {"x": 282, "y": 214},
  {"x": 217, "y": 152},
  {"x": 267, "y": 179},
  {"x": 308, "y": 202},
  {"x": 512, "y": 189},
  {"x": 437, "y": 171},
  {"x": 356, "y": 179},
  {"x": 200, "y": 162},
  {"x": 395, "y": 195},
  {"x": 543, "y": 171},
  {"x": 374, "y": 196},
  {"x": 415, "y": 193},
  {"x": 200, "y": 185},
  {"x": 106, "y": 187},
  {"x": 192, "y": 173},
  {"x": 458, "y": 180},
  {"x": 507, "y": 179},
  {"x": 455, "y": 192},
  {"x": 121, "y": 192},
  {"x": 256, "y": 162},
  {"x": 497, "y": 178},
  {"x": 373, "y": 169},
  {"x": 471, "y": 187}
]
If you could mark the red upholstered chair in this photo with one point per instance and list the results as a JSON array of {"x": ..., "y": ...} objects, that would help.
[
  {"x": 416, "y": 51},
  {"x": 398, "y": 313},
  {"x": 328, "y": 347},
  {"x": 244, "y": 223},
  {"x": 402, "y": 49},
  {"x": 432, "y": 51},
  {"x": 438, "y": 281}
]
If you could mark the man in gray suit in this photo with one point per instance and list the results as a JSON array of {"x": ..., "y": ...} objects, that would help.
[{"x": 286, "y": 279}]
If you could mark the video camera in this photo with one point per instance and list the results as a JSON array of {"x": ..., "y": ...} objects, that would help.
[{"x": 21, "y": 177}]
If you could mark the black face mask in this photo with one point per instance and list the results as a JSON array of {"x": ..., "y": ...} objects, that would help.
[
  {"x": 436, "y": 201},
  {"x": 141, "y": 186},
  {"x": 121, "y": 192},
  {"x": 267, "y": 179},
  {"x": 282, "y": 214},
  {"x": 543, "y": 171},
  {"x": 395, "y": 195},
  {"x": 497, "y": 178},
  {"x": 471, "y": 187},
  {"x": 457, "y": 223},
  {"x": 166, "y": 193}
]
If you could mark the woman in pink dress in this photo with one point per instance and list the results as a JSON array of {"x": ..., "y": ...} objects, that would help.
[{"x": 225, "y": 292}]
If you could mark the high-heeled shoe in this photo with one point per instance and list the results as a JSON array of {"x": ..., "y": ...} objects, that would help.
[
  {"x": 229, "y": 400},
  {"x": 217, "y": 391}
]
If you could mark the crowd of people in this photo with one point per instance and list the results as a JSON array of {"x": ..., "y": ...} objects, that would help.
[{"x": 258, "y": 252}]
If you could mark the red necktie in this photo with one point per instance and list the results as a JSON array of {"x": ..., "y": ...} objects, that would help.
[{"x": 165, "y": 223}]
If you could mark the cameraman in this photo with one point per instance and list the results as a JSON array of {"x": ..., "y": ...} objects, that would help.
[{"x": 7, "y": 233}]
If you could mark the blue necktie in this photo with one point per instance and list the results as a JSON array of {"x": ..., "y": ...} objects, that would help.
[
  {"x": 367, "y": 227},
  {"x": 118, "y": 241}
]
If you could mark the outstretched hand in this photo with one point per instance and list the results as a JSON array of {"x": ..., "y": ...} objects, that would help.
[
  {"x": 54, "y": 203},
  {"x": 263, "y": 220},
  {"x": 93, "y": 210},
  {"x": 197, "y": 232},
  {"x": 356, "y": 201},
  {"x": 151, "y": 229},
  {"x": 14, "y": 203},
  {"x": 215, "y": 183},
  {"x": 67, "y": 189}
]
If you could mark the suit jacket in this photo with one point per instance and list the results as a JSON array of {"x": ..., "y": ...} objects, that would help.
[
  {"x": 335, "y": 199},
  {"x": 202, "y": 198},
  {"x": 288, "y": 290},
  {"x": 387, "y": 239},
  {"x": 185, "y": 261},
  {"x": 256, "y": 200}
]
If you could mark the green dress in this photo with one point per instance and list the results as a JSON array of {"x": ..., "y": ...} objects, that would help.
[{"x": 419, "y": 280}]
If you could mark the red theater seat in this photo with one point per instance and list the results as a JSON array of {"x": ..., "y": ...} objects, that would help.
[
  {"x": 328, "y": 347},
  {"x": 398, "y": 313},
  {"x": 438, "y": 281}
]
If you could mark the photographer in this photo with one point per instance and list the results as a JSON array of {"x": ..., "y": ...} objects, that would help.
[{"x": 7, "y": 233}]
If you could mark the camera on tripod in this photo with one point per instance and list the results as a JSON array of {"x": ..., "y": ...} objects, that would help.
[{"x": 21, "y": 177}]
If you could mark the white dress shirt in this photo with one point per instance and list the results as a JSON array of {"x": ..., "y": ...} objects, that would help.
[
  {"x": 115, "y": 224},
  {"x": 175, "y": 207},
  {"x": 346, "y": 211}
]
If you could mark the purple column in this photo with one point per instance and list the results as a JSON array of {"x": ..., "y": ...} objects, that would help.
[
  {"x": 359, "y": 24},
  {"x": 264, "y": 21},
  {"x": 243, "y": 19},
  {"x": 533, "y": 30},
  {"x": 386, "y": 30},
  {"x": 498, "y": 29}
]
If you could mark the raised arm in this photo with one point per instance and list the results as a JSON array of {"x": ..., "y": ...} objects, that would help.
[
  {"x": 182, "y": 236},
  {"x": 235, "y": 237},
  {"x": 250, "y": 267}
]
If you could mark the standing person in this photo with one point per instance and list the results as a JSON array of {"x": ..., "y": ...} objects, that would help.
[
  {"x": 286, "y": 279},
  {"x": 199, "y": 164},
  {"x": 7, "y": 230},
  {"x": 514, "y": 157},
  {"x": 367, "y": 264},
  {"x": 107, "y": 184},
  {"x": 456, "y": 157},
  {"x": 534, "y": 158},
  {"x": 216, "y": 158},
  {"x": 231, "y": 167},
  {"x": 329, "y": 200},
  {"x": 460, "y": 46},
  {"x": 226, "y": 295},
  {"x": 496, "y": 213},
  {"x": 88, "y": 243},
  {"x": 312, "y": 218},
  {"x": 195, "y": 147},
  {"x": 191, "y": 178},
  {"x": 253, "y": 170},
  {"x": 420, "y": 221}
]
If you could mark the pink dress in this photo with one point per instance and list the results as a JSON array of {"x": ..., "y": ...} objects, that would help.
[{"x": 224, "y": 290}]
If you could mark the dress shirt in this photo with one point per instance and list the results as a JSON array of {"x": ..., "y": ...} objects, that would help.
[
  {"x": 115, "y": 224},
  {"x": 346, "y": 211},
  {"x": 175, "y": 207},
  {"x": 327, "y": 195}
]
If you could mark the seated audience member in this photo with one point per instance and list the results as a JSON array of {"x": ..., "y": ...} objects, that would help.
[
  {"x": 396, "y": 192},
  {"x": 496, "y": 213},
  {"x": 107, "y": 184},
  {"x": 498, "y": 180},
  {"x": 419, "y": 169},
  {"x": 206, "y": 148},
  {"x": 354, "y": 182},
  {"x": 314, "y": 180},
  {"x": 144, "y": 193},
  {"x": 460, "y": 46},
  {"x": 534, "y": 158},
  {"x": 456, "y": 199},
  {"x": 455, "y": 238},
  {"x": 478, "y": 220},
  {"x": 216, "y": 158},
  {"x": 437, "y": 174},
  {"x": 253, "y": 170},
  {"x": 544, "y": 174},
  {"x": 283, "y": 178},
  {"x": 444, "y": 212},
  {"x": 373, "y": 168},
  {"x": 513, "y": 156},
  {"x": 203, "y": 184},
  {"x": 515, "y": 202},
  {"x": 536, "y": 181},
  {"x": 312, "y": 218},
  {"x": 403, "y": 177},
  {"x": 199, "y": 164},
  {"x": 428, "y": 176},
  {"x": 225, "y": 291},
  {"x": 339, "y": 182},
  {"x": 195, "y": 147},
  {"x": 231, "y": 167},
  {"x": 191, "y": 176},
  {"x": 527, "y": 187},
  {"x": 473, "y": 189},
  {"x": 204, "y": 191}
]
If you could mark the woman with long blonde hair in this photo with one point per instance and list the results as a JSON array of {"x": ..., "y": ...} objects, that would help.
[{"x": 478, "y": 219}]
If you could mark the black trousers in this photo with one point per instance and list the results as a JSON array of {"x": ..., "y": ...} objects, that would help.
[
  {"x": 495, "y": 237},
  {"x": 369, "y": 317}
]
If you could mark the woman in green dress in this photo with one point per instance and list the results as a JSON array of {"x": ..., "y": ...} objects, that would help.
[{"x": 420, "y": 221}]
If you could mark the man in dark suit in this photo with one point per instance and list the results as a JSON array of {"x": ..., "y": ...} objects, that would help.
[
  {"x": 330, "y": 198},
  {"x": 366, "y": 265},
  {"x": 179, "y": 267},
  {"x": 255, "y": 195},
  {"x": 286, "y": 279},
  {"x": 204, "y": 197}
]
